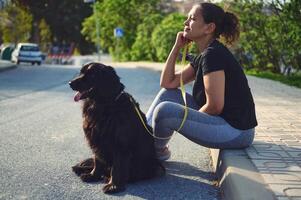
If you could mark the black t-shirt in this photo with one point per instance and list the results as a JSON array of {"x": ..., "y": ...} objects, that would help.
[{"x": 239, "y": 108}]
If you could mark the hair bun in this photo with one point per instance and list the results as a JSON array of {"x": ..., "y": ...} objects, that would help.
[
  {"x": 226, "y": 23},
  {"x": 230, "y": 28}
]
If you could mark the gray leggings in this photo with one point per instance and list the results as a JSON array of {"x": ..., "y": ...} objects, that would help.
[{"x": 166, "y": 113}]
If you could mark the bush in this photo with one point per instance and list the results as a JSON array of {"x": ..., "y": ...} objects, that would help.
[
  {"x": 270, "y": 33},
  {"x": 142, "y": 48},
  {"x": 165, "y": 33},
  {"x": 125, "y": 14}
]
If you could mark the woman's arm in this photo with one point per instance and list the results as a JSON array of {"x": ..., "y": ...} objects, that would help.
[
  {"x": 169, "y": 78},
  {"x": 214, "y": 84}
]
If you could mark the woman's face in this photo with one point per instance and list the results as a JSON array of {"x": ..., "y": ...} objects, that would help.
[{"x": 195, "y": 27}]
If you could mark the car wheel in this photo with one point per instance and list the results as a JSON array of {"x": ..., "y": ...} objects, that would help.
[
  {"x": 18, "y": 62},
  {"x": 39, "y": 63},
  {"x": 32, "y": 63}
]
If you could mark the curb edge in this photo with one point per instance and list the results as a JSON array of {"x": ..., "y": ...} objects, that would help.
[{"x": 238, "y": 178}]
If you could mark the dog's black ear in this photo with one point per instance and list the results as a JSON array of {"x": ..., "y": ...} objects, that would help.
[
  {"x": 113, "y": 73},
  {"x": 115, "y": 78}
]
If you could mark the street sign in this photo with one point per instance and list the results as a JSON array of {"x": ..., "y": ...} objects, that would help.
[{"x": 118, "y": 32}]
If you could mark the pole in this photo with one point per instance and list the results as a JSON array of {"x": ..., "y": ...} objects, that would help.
[
  {"x": 96, "y": 26},
  {"x": 97, "y": 30}
]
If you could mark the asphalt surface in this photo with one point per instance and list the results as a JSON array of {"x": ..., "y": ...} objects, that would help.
[{"x": 41, "y": 138}]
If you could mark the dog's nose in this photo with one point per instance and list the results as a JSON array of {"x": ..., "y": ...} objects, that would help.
[{"x": 71, "y": 84}]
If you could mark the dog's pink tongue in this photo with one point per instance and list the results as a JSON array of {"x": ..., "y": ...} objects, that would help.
[{"x": 77, "y": 96}]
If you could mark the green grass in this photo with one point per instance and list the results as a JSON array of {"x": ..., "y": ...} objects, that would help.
[{"x": 292, "y": 80}]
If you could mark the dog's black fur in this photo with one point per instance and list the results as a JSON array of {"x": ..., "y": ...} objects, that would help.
[{"x": 123, "y": 150}]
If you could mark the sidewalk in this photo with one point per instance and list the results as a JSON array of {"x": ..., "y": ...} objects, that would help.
[
  {"x": 5, "y": 65},
  {"x": 271, "y": 167}
]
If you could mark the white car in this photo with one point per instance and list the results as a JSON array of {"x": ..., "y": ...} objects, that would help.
[{"x": 27, "y": 52}]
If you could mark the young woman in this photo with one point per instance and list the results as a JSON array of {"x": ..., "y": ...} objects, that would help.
[{"x": 221, "y": 111}]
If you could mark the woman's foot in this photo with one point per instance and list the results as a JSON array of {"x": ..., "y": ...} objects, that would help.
[{"x": 163, "y": 153}]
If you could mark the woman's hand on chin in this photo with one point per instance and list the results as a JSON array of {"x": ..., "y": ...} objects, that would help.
[{"x": 181, "y": 41}]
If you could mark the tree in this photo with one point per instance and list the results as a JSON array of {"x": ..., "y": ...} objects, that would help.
[
  {"x": 125, "y": 14},
  {"x": 45, "y": 34},
  {"x": 270, "y": 33},
  {"x": 143, "y": 48},
  {"x": 165, "y": 33},
  {"x": 289, "y": 27},
  {"x": 16, "y": 24},
  {"x": 64, "y": 19},
  {"x": 257, "y": 35}
]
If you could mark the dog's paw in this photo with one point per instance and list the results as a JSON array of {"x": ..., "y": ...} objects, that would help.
[
  {"x": 81, "y": 170},
  {"x": 84, "y": 167},
  {"x": 77, "y": 170},
  {"x": 110, "y": 188},
  {"x": 90, "y": 178}
]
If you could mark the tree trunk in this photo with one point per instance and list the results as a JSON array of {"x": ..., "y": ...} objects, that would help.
[{"x": 35, "y": 34}]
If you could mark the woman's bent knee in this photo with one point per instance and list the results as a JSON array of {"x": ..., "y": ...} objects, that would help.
[
  {"x": 166, "y": 94},
  {"x": 166, "y": 109}
]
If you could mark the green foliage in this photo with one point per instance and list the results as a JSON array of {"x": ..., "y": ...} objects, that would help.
[
  {"x": 143, "y": 48},
  {"x": 45, "y": 34},
  {"x": 270, "y": 33},
  {"x": 15, "y": 24},
  {"x": 290, "y": 16},
  {"x": 126, "y": 14},
  {"x": 64, "y": 19},
  {"x": 165, "y": 33}
]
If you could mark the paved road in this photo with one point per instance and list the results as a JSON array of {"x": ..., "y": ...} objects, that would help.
[{"x": 41, "y": 138}]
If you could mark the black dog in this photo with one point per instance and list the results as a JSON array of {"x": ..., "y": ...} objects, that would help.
[{"x": 123, "y": 149}]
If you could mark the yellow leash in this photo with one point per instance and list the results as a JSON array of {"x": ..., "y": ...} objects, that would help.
[
  {"x": 183, "y": 88},
  {"x": 141, "y": 119},
  {"x": 184, "y": 99}
]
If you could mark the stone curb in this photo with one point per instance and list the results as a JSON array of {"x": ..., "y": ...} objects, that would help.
[{"x": 238, "y": 178}]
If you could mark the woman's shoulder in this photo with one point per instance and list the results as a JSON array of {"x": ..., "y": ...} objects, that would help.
[
  {"x": 208, "y": 54},
  {"x": 219, "y": 52},
  {"x": 214, "y": 52},
  {"x": 216, "y": 47}
]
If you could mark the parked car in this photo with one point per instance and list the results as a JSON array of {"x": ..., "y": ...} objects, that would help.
[
  {"x": 27, "y": 52},
  {"x": 6, "y": 50}
]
